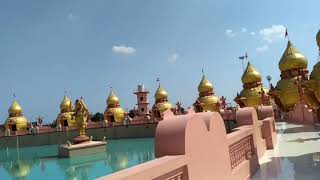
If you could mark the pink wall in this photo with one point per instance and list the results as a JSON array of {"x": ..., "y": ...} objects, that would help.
[{"x": 196, "y": 146}]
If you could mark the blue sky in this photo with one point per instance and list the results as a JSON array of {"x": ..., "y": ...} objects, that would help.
[{"x": 82, "y": 46}]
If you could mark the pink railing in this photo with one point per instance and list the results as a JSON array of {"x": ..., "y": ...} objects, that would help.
[{"x": 241, "y": 151}]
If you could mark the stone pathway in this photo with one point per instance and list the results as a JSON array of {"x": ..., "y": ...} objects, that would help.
[{"x": 296, "y": 156}]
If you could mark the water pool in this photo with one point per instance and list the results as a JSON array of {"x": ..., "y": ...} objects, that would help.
[{"x": 42, "y": 162}]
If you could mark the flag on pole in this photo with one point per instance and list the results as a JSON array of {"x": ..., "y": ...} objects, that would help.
[
  {"x": 158, "y": 79},
  {"x": 242, "y": 57},
  {"x": 286, "y": 33}
]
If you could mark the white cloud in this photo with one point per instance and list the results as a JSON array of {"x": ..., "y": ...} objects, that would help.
[
  {"x": 262, "y": 49},
  {"x": 273, "y": 33},
  {"x": 230, "y": 33},
  {"x": 173, "y": 58},
  {"x": 123, "y": 49},
  {"x": 243, "y": 30},
  {"x": 252, "y": 33},
  {"x": 73, "y": 18}
]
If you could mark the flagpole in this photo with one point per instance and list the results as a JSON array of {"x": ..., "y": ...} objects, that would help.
[{"x": 242, "y": 65}]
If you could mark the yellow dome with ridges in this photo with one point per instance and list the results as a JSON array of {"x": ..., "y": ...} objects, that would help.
[
  {"x": 113, "y": 99},
  {"x": 160, "y": 94},
  {"x": 250, "y": 75},
  {"x": 292, "y": 59},
  {"x": 15, "y": 109},
  {"x": 205, "y": 85},
  {"x": 66, "y": 104}
]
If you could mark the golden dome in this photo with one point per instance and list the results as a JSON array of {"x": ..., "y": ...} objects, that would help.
[
  {"x": 288, "y": 92},
  {"x": 315, "y": 74},
  {"x": 292, "y": 59},
  {"x": 252, "y": 96},
  {"x": 21, "y": 123},
  {"x": 205, "y": 85},
  {"x": 209, "y": 103},
  {"x": 15, "y": 109},
  {"x": 66, "y": 104},
  {"x": 250, "y": 75},
  {"x": 162, "y": 107},
  {"x": 161, "y": 94},
  {"x": 318, "y": 39},
  {"x": 117, "y": 113},
  {"x": 113, "y": 99}
]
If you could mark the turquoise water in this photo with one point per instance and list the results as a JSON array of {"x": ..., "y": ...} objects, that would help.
[{"x": 42, "y": 162}]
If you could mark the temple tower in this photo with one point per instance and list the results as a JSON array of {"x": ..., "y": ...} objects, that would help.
[
  {"x": 207, "y": 101},
  {"x": 253, "y": 93},
  {"x": 16, "y": 121},
  {"x": 142, "y": 100},
  {"x": 161, "y": 103}
]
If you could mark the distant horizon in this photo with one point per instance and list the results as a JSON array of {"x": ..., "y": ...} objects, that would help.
[{"x": 84, "y": 47}]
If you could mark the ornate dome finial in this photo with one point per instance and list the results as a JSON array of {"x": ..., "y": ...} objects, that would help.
[
  {"x": 205, "y": 85},
  {"x": 113, "y": 99},
  {"x": 15, "y": 109},
  {"x": 161, "y": 94},
  {"x": 250, "y": 75},
  {"x": 292, "y": 59}
]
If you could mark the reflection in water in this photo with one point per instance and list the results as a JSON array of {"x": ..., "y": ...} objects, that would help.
[{"x": 42, "y": 162}]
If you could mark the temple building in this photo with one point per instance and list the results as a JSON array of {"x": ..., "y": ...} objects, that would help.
[
  {"x": 65, "y": 118},
  {"x": 312, "y": 85},
  {"x": 293, "y": 66},
  {"x": 16, "y": 121},
  {"x": 161, "y": 102},
  {"x": 253, "y": 93},
  {"x": 206, "y": 101},
  {"x": 114, "y": 113}
]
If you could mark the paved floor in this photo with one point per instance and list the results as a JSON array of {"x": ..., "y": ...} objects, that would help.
[{"x": 296, "y": 156}]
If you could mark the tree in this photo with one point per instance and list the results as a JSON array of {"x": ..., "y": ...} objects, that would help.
[{"x": 97, "y": 117}]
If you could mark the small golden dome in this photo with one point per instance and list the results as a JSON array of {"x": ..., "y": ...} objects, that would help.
[
  {"x": 252, "y": 96},
  {"x": 205, "y": 85},
  {"x": 318, "y": 39},
  {"x": 15, "y": 109},
  {"x": 113, "y": 99},
  {"x": 66, "y": 104},
  {"x": 292, "y": 59},
  {"x": 315, "y": 74},
  {"x": 21, "y": 123},
  {"x": 250, "y": 75},
  {"x": 160, "y": 94}
]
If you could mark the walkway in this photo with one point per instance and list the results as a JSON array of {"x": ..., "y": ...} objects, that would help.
[{"x": 296, "y": 156}]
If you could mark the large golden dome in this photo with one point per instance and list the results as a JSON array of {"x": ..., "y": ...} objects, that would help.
[
  {"x": 250, "y": 75},
  {"x": 160, "y": 94},
  {"x": 15, "y": 109},
  {"x": 205, "y": 85},
  {"x": 288, "y": 92},
  {"x": 292, "y": 59},
  {"x": 113, "y": 99},
  {"x": 66, "y": 104},
  {"x": 318, "y": 39}
]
